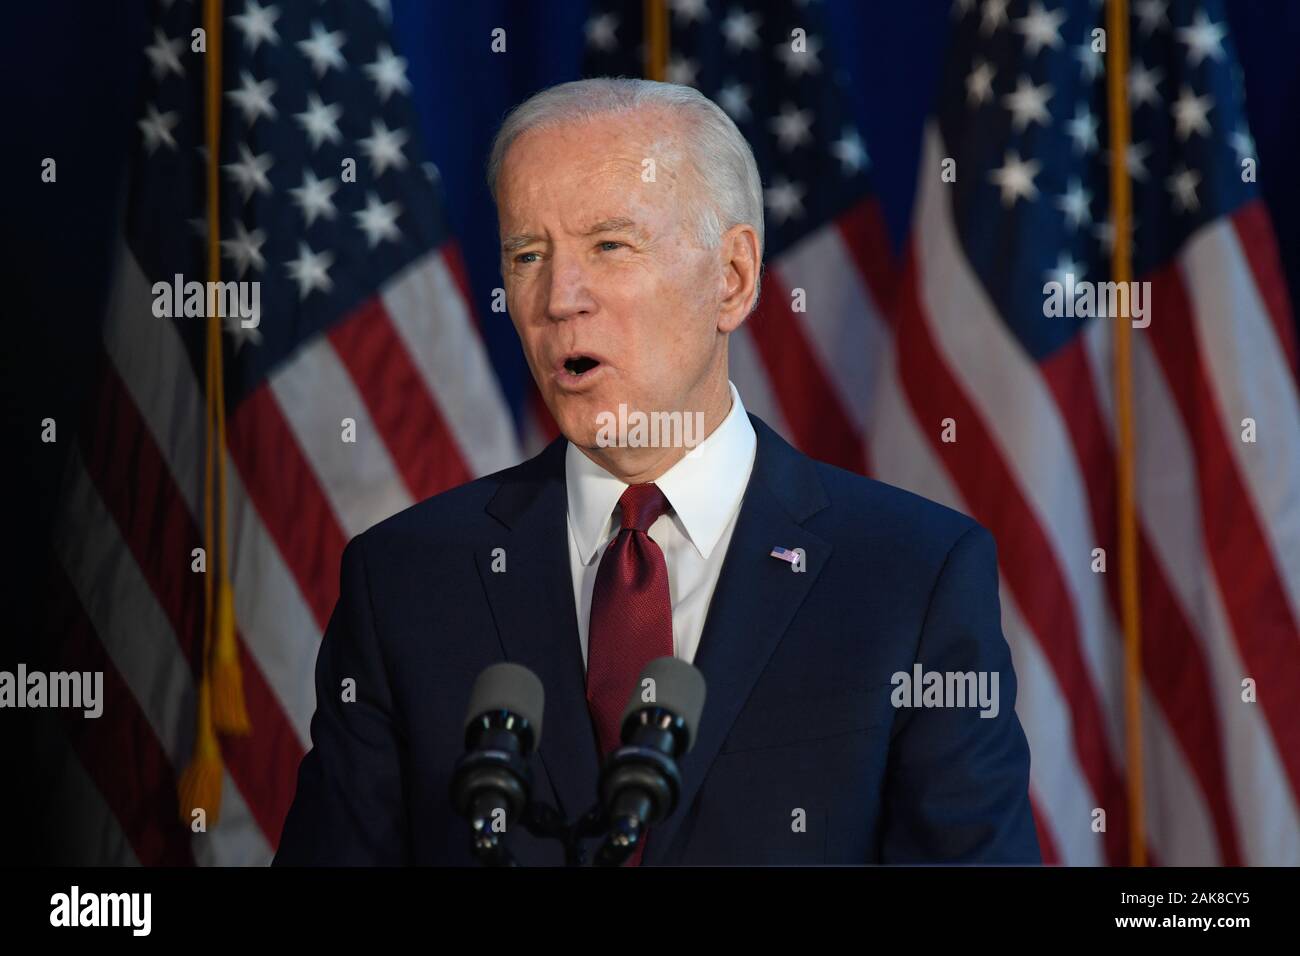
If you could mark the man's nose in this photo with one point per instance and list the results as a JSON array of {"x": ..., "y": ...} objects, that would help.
[{"x": 569, "y": 293}]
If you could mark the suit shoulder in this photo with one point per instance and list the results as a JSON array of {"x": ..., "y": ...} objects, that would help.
[
  {"x": 451, "y": 516},
  {"x": 864, "y": 507}
]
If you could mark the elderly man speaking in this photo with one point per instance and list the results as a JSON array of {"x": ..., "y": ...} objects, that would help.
[{"x": 860, "y": 699}]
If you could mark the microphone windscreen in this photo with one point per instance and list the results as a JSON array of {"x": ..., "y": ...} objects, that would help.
[
  {"x": 511, "y": 687},
  {"x": 678, "y": 688}
]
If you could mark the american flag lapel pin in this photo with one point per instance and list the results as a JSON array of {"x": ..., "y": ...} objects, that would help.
[{"x": 785, "y": 554}]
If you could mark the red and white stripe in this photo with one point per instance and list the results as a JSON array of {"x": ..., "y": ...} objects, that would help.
[
  {"x": 810, "y": 373},
  {"x": 409, "y": 369}
]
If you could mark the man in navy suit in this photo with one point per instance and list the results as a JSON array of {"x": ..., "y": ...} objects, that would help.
[{"x": 860, "y": 696}]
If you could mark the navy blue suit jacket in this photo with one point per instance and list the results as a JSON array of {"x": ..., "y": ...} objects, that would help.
[{"x": 798, "y": 724}]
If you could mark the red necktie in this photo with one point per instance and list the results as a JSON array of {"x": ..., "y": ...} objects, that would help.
[{"x": 631, "y": 617}]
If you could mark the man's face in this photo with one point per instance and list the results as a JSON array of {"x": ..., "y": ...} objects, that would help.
[{"x": 612, "y": 299}]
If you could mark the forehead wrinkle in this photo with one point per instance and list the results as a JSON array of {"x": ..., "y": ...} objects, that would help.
[
  {"x": 626, "y": 147},
  {"x": 518, "y": 241},
  {"x": 620, "y": 224},
  {"x": 665, "y": 148},
  {"x": 616, "y": 224}
]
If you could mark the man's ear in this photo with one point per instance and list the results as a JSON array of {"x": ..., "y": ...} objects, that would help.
[{"x": 742, "y": 266}]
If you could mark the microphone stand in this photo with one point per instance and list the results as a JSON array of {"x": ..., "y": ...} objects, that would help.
[
  {"x": 660, "y": 781},
  {"x": 544, "y": 821}
]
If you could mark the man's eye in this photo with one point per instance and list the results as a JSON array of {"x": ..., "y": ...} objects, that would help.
[
  {"x": 522, "y": 258},
  {"x": 610, "y": 242}
]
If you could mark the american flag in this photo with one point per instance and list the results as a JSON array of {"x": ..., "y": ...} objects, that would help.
[
  {"x": 365, "y": 317},
  {"x": 945, "y": 376},
  {"x": 1021, "y": 112}
]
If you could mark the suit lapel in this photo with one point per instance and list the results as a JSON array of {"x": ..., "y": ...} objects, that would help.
[
  {"x": 532, "y": 604},
  {"x": 755, "y": 599}
]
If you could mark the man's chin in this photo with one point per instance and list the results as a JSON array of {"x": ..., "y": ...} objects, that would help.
[{"x": 578, "y": 418}]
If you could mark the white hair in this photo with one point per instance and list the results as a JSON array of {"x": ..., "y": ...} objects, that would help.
[{"x": 715, "y": 149}]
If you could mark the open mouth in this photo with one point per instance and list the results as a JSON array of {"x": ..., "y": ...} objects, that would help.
[{"x": 579, "y": 365}]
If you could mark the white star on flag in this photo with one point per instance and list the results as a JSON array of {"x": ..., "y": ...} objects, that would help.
[
  {"x": 164, "y": 55},
  {"x": 1143, "y": 83},
  {"x": 379, "y": 220},
  {"x": 979, "y": 84},
  {"x": 1076, "y": 203},
  {"x": 1243, "y": 145},
  {"x": 235, "y": 328},
  {"x": 1016, "y": 178},
  {"x": 850, "y": 151},
  {"x": 600, "y": 32},
  {"x": 784, "y": 198},
  {"x": 993, "y": 15},
  {"x": 741, "y": 30},
  {"x": 324, "y": 49},
  {"x": 688, "y": 11},
  {"x": 1083, "y": 129},
  {"x": 1028, "y": 103},
  {"x": 1067, "y": 271},
  {"x": 1136, "y": 160},
  {"x": 388, "y": 73},
  {"x": 320, "y": 121},
  {"x": 792, "y": 126},
  {"x": 734, "y": 98},
  {"x": 1151, "y": 14},
  {"x": 1202, "y": 39},
  {"x": 157, "y": 128},
  {"x": 681, "y": 71},
  {"x": 253, "y": 98},
  {"x": 245, "y": 249},
  {"x": 799, "y": 62},
  {"x": 1183, "y": 185},
  {"x": 250, "y": 172},
  {"x": 1040, "y": 28},
  {"x": 1090, "y": 61},
  {"x": 384, "y": 147},
  {"x": 313, "y": 197},
  {"x": 1191, "y": 113},
  {"x": 257, "y": 24},
  {"x": 310, "y": 270}
]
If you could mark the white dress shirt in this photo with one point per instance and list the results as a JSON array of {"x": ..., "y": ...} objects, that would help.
[{"x": 704, "y": 489}]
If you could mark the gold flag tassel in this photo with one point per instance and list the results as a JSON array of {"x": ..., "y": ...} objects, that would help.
[
  {"x": 228, "y": 709},
  {"x": 229, "y": 712},
  {"x": 200, "y": 784}
]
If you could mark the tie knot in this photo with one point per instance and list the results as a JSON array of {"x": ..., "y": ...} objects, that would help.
[{"x": 641, "y": 505}]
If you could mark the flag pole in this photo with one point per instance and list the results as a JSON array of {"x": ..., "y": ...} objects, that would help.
[
  {"x": 229, "y": 711},
  {"x": 656, "y": 39},
  {"x": 1121, "y": 214},
  {"x": 199, "y": 786}
]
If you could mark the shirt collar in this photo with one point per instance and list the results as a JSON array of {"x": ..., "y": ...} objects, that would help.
[{"x": 704, "y": 487}]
